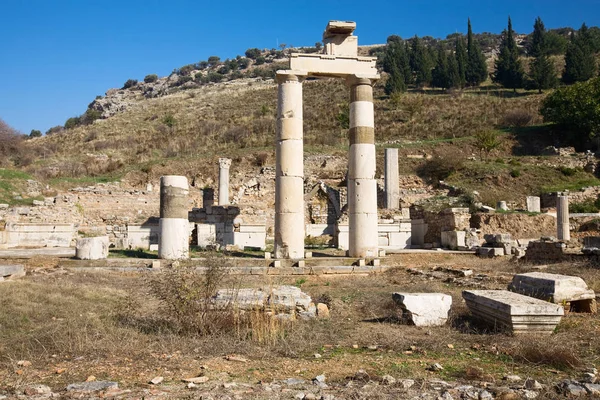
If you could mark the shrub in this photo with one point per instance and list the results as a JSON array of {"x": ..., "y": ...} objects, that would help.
[
  {"x": 588, "y": 206},
  {"x": 182, "y": 80},
  {"x": 243, "y": 63},
  {"x": 440, "y": 168},
  {"x": 486, "y": 141},
  {"x": 55, "y": 129},
  {"x": 130, "y": 83},
  {"x": 566, "y": 171},
  {"x": 151, "y": 78},
  {"x": 214, "y": 60},
  {"x": 214, "y": 77},
  {"x": 89, "y": 116},
  {"x": 202, "y": 65},
  {"x": 10, "y": 142},
  {"x": 261, "y": 159},
  {"x": 260, "y": 60},
  {"x": 169, "y": 120},
  {"x": 72, "y": 122},
  {"x": 517, "y": 118},
  {"x": 185, "y": 70},
  {"x": 35, "y": 133},
  {"x": 515, "y": 173},
  {"x": 253, "y": 53}
]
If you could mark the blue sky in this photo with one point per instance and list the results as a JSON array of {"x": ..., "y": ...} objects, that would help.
[{"x": 56, "y": 56}]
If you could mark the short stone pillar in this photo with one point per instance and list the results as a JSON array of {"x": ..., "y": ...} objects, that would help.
[
  {"x": 208, "y": 197},
  {"x": 392, "y": 179},
  {"x": 174, "y": 227},
  {"x": 289, "y": 174},
  {"x": 562, "y": 218},
  {"x": 362, "y": 186},
  {"x": 501, "y": 205},
  {"x": 224, "y": 164},
  {"x": 92, "y": 248},
  {"x": 533, "y": 204}
]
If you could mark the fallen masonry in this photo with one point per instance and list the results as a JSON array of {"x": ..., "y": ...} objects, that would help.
[
  {"x": 514, "y": 312},
  {"x": 11, "y": 272},
  {"x": 92, "y": 248},
  {"x": 282, "y": 301},
  {"x": 570, "y": 291},
  {"x": 424, "y": 309}
]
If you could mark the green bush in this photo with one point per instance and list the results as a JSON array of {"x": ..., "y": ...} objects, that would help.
[
  {"x": 169, "y": 120},
  {"x": 260, "y": 60},
  {"x": 35, "y": 133},
  {"x": 566, "y": 171},
  {"x": 150, "y": 78},
  {"x": 72, "y": 122},
  {"x": 515, "y": 173},
  {"x": 214, "y": 60},
  {"x": 253, "y": 53},
  {"x": 439, "y": 168},
  {"x": 588, "y": 206},
  {"x": 130, "y": 83}
]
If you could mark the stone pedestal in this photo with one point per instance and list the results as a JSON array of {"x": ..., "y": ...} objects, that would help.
[
  {"x": 289, "y": 177},
  {"x": 224, "y": 164},
  {"x": 92, "y": 248},
  {"x": 562, "y": 218},
  {"x": 424, "y": 309},
  {"x": 501, "y": 205},
  {"x": 174, "y": 227},
  {"x": 533, "y": 204},
  {"x": 362, "y": 186},
  {"x": 392, "y": 179}
]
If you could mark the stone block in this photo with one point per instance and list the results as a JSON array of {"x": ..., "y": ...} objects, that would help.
[
  {"x": 383, "y": 241},
  {"x": 424, "y": 309},
  {"x": 453, "y": 239},
  {"x": 533, "y": 204},
  {"x": 12, "y": 271},
  {"x": 93, "y": 248},
  {"x": 400, "y": 240},
  {"x": 512, "y": 311},
  {"x": 551, "y": 287},
  {"x": 591, "y": 242},
  {"x": 289, "y": 298},
  {"x": 308, "y": 254},
  {"x": 490, "y": 251},
  {"x": 361, "y": 262},
  {"x": 250, "y": 239}
]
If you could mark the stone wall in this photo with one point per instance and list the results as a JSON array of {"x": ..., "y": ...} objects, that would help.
[
  {"x": 519, "y": 225},
  {"x": 545, "y": 250}
]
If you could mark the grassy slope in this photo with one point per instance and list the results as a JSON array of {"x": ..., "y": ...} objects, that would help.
[{"x": 238, "y": 120}]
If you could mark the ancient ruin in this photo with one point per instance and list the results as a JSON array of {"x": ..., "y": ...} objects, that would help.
[
  {"x": 340, "y": 60},
  {"x": 174, "y": 226}
]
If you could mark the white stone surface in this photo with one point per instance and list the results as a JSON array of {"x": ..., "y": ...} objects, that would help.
[
  {"x": 174, "y": 240},
  {"x": 92, "y": 248},
  {"x": 224, "y": 165},
  {"x": 361, "y": 161},
  {"x": 533, "y": 204},
  {"x": 337, "y": 66},
  {"x": 453, "y": 239},
  {"x": 290, "y": 157},
  {"x": 424, "y": 309},
  {"x": 37, "y": 235},
  {"x": 363, "y": 114},
  {"x": 174, "y": 180},
  {"x": 142, "y": 236},
  {"x": 551, "y": 287},
  {"x": 11, "y": 271},
  {"x": 392, "y": 179},
  {"x": 515, "y": 312}
]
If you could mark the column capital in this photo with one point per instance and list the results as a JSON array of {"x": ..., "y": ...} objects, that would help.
[
  {"x": 283, "y": 76},
  {"x": 355, "y": 80},
  {"x": 224, "y": 163}
]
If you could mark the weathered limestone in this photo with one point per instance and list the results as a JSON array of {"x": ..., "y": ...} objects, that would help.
[
  {"x": 562, "y": 218},
  {"x": 289, "y": 176},
  {"x": 92, "y": 248},
  {"x": 362, "y": 186},
  {"x": 224, "y": 164},
  {"x": 512, "y": 311},
  {"x": 12, "y": 271},
  {"x": 17, "y": 234},
  {"x": 174, "y": 227},
  {"x": 424, "y": 309},
  {"x": 570, "y": 291},
  {"x": 392, "y": 179},
  {"x": 454, "y": 240},
  {"x": 501, "y": 205},
  {"x": 533, "y": 204}
]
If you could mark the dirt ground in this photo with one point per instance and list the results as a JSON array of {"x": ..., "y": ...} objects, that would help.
[{"x": 59, "y": 326}]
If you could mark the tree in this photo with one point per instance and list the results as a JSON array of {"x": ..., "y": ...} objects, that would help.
[
  {"x": 130, "y": 83},
  {"x": 454, "y": 79},
  {"x": 213, "y": 60},
  {"x": 461, "y": 60},
  {"x": 420, "y": 62},
  {"x": 439, "y": 75},
  {"x": 509, "y": 70},
  {"x": 541, "y": 71},
  {"x": 253, "y": 53},
  {"x": 35, "y": 133},
  {"x": 395, "y": 62},
  {"x": 395, "y": 82},
  {"x": 476, "y": 70},
  {"x": 150, "y": 78},
  {"x": 580, "y": 63},
  {"x": 575, "y": 108},
  {"x": 486, "y": 141}
]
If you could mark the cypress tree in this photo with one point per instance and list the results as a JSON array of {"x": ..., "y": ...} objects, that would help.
[
  {"x": 476, "y": 71},
  {"x": 461, "y": 61},
  {"x": 454, "y": 80},
  {"x": 439, "y": 75},
  {"x": 580, "y": 63},
  {"x": 395, "y": 62},
  {"x": 395, "y": 81},
  {"x": 420, "y": 62},
  {"x": 509, "y": 70},
  {"x": 541, "y": 71}
]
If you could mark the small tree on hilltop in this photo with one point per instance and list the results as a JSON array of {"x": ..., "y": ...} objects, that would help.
[
  {"x": 214, "y": 60},
  {"x": 253, "y": 53},
  {"x": 509, "y": 70},
  {"x": 130, "y": 83},
  {"x": 461, "y": 57},
  {"x": 486, "y": 141},
  {"x": 580, "y": 62},
  {"x": 476, "y": 71},
  {"x": 35, "y": 133},
  {"x": 150, "y": 78},
  {"x": 541, "y": 71}
]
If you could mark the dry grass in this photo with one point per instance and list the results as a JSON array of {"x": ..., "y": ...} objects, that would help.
[{"x": 85, "y": 326}]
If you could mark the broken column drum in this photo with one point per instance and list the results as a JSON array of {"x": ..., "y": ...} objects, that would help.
[
  {"x": 174, "y": 228},
  {"x": 562, "y": 218},
  {"x": 289, "y": 177},
  {"x": 392, "y": 179},
  {"x": 362, "y": 186},
  {"x": 224, "y": 164}
]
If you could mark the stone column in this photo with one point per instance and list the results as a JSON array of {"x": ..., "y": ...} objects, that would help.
[
  {"x": 362, "y": 186},
  {"x": 289, "y": 176},
  {"x": 174, "y": 227},
  {"x": 392, "y": 179},
  {"x": 224, "y": 164},
  {"x": 562, "y": 218}
]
